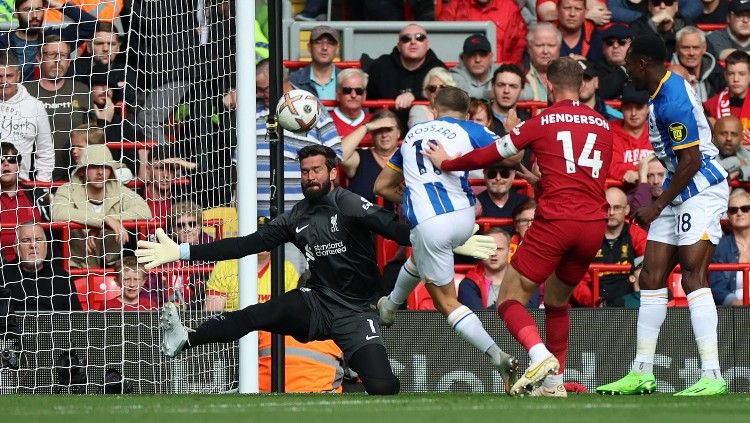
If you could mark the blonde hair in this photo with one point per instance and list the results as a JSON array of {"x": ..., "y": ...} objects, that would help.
[
  {"x": 128, "y": 262},
  {"x": 440, "y": 73}
]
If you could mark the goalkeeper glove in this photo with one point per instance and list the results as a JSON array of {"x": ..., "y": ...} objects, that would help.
[
  {"x": 477, "y": 246},
  {"x": 152, "y": 254}
]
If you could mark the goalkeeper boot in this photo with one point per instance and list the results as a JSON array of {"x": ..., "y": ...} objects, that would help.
[
  {"x": 633, "y": 383},
  {"x": 386, "y": 311},
  {"x": 535, "y": 373},
  {"x": 705, "y": 387},
  {"x": 508, "y": 368},
  {"x": 174, "y": 335},
  {"x": 542, "y": 391}
]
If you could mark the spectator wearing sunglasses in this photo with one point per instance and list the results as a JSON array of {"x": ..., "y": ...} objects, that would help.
[
  {"x": 736, "y": 36},
  {"x": 435, "y": 79},
  {"x": 611, "y": 67},
  {"x": 627, "y": 11},
  {"x": 705, "y": 75},
  {"x": 319, "y": 77},
  {"x": 734, "y": 247},
  {"x": 399, "y": 75},
  {"x": 500, "y": 199},
  {"x": 17, "y": 203},
  {"x": 663, "y": 19},
  {"x": 473, "y": 73},
  {"x": 733, "y": 157},
  {"x": 351, "y": 93}
]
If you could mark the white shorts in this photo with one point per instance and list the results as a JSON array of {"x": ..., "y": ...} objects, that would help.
[
  {"x": 698, "y": 218},
  {"x": 433, "y": 242}
]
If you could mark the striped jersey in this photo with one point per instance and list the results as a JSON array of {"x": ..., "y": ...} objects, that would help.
[
  {"x": 429, "y": 191},
  {"x": 676, "y": 121}
]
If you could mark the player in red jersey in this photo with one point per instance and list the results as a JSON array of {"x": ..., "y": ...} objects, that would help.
[{"x": 573, "y": 146}]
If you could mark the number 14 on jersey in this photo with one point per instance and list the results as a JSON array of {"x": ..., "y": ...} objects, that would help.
[{"x": 588, "y": 158}]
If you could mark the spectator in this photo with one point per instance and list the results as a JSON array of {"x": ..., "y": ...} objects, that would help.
[
  {"x": 25, "y": 41},
  {"x": 400, "y": 74},
  {"x": 633, "y": 300},
  {"x": 319, "y": 77},
  {"x": 324, "y": 133},
  {"x": 363, "y": 165},
  {"x": 733, "y": 157},
  {"x": 544, "y": 46},
  {"x": 627, "y": 11},
  {"x": 733, "y": 100},
  {"x": 480, "y": 112},
  {"x": 734, "y": 247},
  {"x": 104, "y": 10},
  {"x": 481, "y": 286},
  {"x": 84, "y": 135},
  {"x": 500, "y": 199},
  {"x": 588, "y": 92},
  {"x": 650, "y": 180},
  {"x": 17, "y": 203},
  {"x": 315, "y": 10},
  {"x": 631, "y": 142},
  {"x": 35, "y": 281},
  {"x": 622, "y": 243},
  {"x": 435, "y": 79},
  {"x": 705, "y": 74},
  {"x": 507, "y": 85},
  {"x": 106, "y": 114},
  {"x": 166, "y": 165},
  {"x": 351, "y": 93},
  {"x": 523, "y": 217},
  {"x": 130, "y": 277},
  {"x": 596, "y": 11},
  {"x": 736, "y": 36},
  {"x": 714, "y": 12},
  {"x": 28, "y": 127},
  {"x": 505, "y": 14},
  {"x": 579, "y": 36},
  {"x": 663, "y": 20},
  {"x": 528, "y": 11},
  {"x": 475, "y": 68},
  {"x": 95, "y": 199},
  {"x": 611, "y": 68},
  {"x": 66, "y": 100}
]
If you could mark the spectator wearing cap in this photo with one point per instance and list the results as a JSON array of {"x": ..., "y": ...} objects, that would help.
[
  {"x": 630, "y": 141},
  {"x": 507, "y": 85},
  {"x": 399, "y": 75},
  {"x": 663, "y": 19},
  {"x": 544, "y": 41},
  {"x": 611, "y": 67},
  {"x": 579, "y": 36},
  {"x": 505, "y": 14},
  {"x": 65, "y": 99},
  {"x": 733, "y": 100},
  {"x": 627, "y": 11},
  {"x": 351, "y": 93},
  {"x": 500, "y": 199},
  {"x": 714, "y": 12},
  {"x": 17, "y": 203},
  {"x": 165, "y": 165},
  {"x": 736, "y": 36},
  {"x": 94, "y": 198},
  {"x": 474, "y": 71},
  {"x": 706, "y": 76},
  {"x": 733, "y": 157},
  {"x": 588, "y": 92},
  {"x": 319, "y": 77}
]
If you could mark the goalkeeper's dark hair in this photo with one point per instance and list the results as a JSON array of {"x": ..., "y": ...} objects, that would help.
[{"x": 318, "y": 150}]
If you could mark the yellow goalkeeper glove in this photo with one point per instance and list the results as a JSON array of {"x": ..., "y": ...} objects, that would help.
[
  {"x": 152, "y": 254},
  {"x": 477, "y": 246}
]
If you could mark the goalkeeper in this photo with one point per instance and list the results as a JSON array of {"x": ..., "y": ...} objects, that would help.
[{"x": 334, "y": 228}]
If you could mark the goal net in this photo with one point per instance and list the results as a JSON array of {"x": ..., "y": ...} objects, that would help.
[{"x": 120, "y": 120}]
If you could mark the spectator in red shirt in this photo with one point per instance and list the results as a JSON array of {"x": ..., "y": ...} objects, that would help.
[
  {"x": 505, "y": 14},
  {"x": 733, "y": 100},
  {"x": 351, "y": 92},
  {"x": 165, "y": 167},
  {"x": 630, "y": 143},
  {"x": 17, "y": 204},
  {"x": 130, "y": 277}
]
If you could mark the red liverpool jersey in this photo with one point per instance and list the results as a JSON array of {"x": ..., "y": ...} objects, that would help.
[{"x": 573, "y": 147}]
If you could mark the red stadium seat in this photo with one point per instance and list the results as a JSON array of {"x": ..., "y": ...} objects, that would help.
[
  {"x": 679, "y": 298},
  {"x": 94, "y": 290}
]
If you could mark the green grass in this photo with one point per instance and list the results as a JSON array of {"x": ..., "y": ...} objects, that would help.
[{"x": 355, "y": 408}]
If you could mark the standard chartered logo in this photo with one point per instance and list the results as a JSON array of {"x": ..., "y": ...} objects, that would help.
[{"x": 322, "y": 250}]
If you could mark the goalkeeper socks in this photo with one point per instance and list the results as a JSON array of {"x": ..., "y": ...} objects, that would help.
[
  {"x": 651, "y": 315},
  {"x": 705, "y": 319},
  {"x": 520, "y": 324},
  {"x": 408, "y": 279},
  {"x": 557, "y": 323},
  {"x": 468, "y": 327}
]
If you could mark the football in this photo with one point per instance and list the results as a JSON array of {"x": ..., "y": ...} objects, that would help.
[{"x": 298, "y": 111}]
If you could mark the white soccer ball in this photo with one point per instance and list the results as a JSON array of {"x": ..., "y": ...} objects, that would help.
[{"x": 298, "y": 111}]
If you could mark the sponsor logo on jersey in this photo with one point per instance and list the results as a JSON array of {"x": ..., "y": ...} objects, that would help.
[
  {"x": 369, "y": 337},
  {"x": 334, "y": 223},
  {"x": 365, "y": 204},
  {"x": 677, "y": 131},
  {"x": 298, "y": 229},
  {"x": 322, "y": 250}
]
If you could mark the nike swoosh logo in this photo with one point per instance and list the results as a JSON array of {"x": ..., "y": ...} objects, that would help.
[
  {"x": 369, "y": 337},
  {"x": 298, "y": 230}
]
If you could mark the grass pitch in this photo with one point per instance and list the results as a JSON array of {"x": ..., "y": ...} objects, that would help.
[{"x": 356, "y": 408}]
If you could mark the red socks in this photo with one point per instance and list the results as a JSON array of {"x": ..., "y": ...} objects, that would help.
[
  {"x": 557, "y": 324},
  {"x": 519, "y": 322}
]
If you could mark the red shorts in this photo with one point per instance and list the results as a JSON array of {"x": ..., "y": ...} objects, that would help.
[{"x": 565, "y": 247}]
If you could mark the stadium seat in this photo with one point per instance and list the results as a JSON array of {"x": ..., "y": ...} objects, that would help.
[
  {"x": 228, "y": 216},
  {"x": 679, "y": 299},
  {"x": 94, "y": 290}
]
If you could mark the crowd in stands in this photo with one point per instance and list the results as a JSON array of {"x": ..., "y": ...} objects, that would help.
[{"x": 68, "y": 104}]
